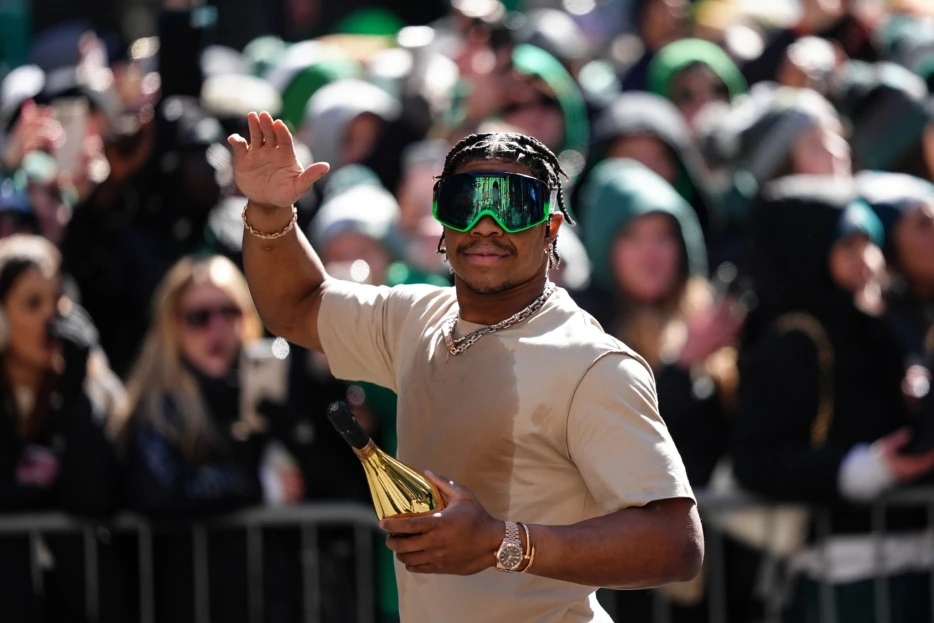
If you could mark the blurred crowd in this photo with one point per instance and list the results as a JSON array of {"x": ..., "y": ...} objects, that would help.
[{"x": 753, "y": 185}]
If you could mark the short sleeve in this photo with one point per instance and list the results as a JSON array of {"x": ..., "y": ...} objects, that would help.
[
  {"x": 618, "y": 440},
  {"x": 359, "y": 327}
]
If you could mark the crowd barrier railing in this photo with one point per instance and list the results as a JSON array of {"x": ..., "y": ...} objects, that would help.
[{"x": 308, "y": 518}]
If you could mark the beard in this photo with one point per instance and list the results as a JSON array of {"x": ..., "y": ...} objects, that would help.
[{"x": 486, "y": 288}]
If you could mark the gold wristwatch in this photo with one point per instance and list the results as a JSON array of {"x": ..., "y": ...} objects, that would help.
[{"x": 509, "y": 554}]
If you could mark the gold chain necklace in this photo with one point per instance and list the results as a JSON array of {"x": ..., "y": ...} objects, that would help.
[{"x": 459, "y": 345}]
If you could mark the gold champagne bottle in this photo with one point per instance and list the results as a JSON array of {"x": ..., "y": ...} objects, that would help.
[{"x": 397, "y": 489}]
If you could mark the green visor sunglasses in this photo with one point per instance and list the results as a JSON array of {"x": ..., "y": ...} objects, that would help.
[{"x": 516, "y": 202}]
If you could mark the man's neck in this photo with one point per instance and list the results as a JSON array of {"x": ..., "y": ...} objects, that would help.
[{"x": 488, "y": 309}]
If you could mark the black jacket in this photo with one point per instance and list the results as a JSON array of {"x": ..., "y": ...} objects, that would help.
[
  {"x": 777, "y": 452},
  {"x": 72, "y": 436},
  {"x": 81, "y": 478},
  {"x": 161, "y": 482}
]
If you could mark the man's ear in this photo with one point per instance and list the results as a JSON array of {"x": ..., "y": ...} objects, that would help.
[{"x": 552, "y": 226}]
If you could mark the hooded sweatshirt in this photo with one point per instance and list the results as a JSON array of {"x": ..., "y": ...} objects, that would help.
[
  {"x": 891, "y": 196},
  {"x": 529, "y": 60},
  {"x": 888, "y": 108},
  {"x": 788, "y": 374},
  {"x": 646, "y": 114},
  {"x": 756, "y": 137},
  {"x": 355, "y": 202},
  {"x": 619, "y": 190},
  {"x": 678, "y": 56},
  {"x": 304, "y": 68},
  {"x": 333, "y": 107}
]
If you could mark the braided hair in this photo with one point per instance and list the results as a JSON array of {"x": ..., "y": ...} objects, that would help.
[{"x": 510, "y": 147}]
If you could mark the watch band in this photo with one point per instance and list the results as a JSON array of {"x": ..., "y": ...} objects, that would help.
[{"x": 512, "y": 531}]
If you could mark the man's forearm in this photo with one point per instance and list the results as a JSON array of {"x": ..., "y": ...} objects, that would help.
[
  {"x": 285, "y": 276},
  {"x": 634, "y": 548}
]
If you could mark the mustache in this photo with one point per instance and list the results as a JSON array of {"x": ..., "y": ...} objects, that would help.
[{"x": 491, "y": 242}]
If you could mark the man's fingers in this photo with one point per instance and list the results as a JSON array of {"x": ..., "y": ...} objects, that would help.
[
  {"x": 427, "y": 568},
  {"x": 283, "y": 136},
  {"x": 407, "y": 544},
  {"x": 897, "y": 440},
  {"x": 410, "y": 525},
  {"x": 238, "y": 143},
  {"x": 448, "y": 487},
  {"x": 311, "y": 175},
  {"x": 256, "y": 134},
  {"x": 415, "y": 559},
  {"x": 269, "y": 134}
]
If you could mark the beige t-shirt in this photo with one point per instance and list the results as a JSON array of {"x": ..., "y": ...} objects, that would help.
[{"x": 551, "y": 422}]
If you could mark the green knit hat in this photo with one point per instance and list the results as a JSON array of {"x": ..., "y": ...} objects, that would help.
[{"x": 677, "y": 56}]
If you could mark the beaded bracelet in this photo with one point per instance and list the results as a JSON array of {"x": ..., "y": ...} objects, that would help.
[{"x": 272, "y": 236}]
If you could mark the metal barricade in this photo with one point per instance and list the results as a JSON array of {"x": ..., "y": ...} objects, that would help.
[
  {"x": 712, "y": 504},
  {"x": 306, "y": 518},
  {"x": 310, "y": 517}
]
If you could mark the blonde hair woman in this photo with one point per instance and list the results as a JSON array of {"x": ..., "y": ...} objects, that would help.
[
  {"x": 189, "y": 449},
  {"x": 184, "y": 395},
  {"x": 202, "y": 316}
]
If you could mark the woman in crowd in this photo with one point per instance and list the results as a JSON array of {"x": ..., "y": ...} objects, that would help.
[
  {"x": 57, "y": 396},
  {"x": 191, "y": 450},
  {"x": 905, "y": 206},
  {"x": 650, "y": 290},
  {"x": 822, "y": 415},
  {"x": 649, "y": 269},
  {"x": 692, "y": 73},
  {"x": 891, "y": 114},
  {"x": 775, "y": 132},
  {"x": 649, "y": 129}
]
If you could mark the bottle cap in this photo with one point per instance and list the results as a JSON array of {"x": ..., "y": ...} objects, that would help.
[{"x": 345, "y": 424}]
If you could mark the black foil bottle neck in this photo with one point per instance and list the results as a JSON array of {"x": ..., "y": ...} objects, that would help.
[{"x": 344, "y": 423}]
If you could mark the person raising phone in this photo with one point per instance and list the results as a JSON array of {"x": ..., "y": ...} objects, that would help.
[{"x": 559, "y": 470}]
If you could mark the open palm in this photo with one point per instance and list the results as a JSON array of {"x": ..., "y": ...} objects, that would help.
[{"x": 266, "y": 169}]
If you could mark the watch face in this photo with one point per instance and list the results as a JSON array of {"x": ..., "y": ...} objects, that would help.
[{"x": 510, "y": 556}]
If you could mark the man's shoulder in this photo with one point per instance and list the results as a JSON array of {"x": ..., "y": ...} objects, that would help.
[
  {"x": 584, "y": 348},
  {"x": 405, "y": 293},
  {"x": 581, "y": 329}
]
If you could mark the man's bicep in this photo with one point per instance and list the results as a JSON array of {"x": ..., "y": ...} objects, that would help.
[
  {"x": 304, "y": 329},
  {"x": 618, "y": 440}
]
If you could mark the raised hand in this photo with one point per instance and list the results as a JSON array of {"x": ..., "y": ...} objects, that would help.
[
  {"x": 710, "y": 330},
  {"x": 266, "y": 169},
  {"x": 904, "y": 467}
]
